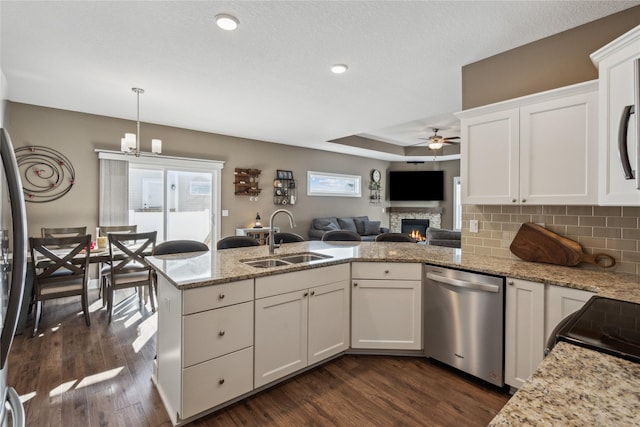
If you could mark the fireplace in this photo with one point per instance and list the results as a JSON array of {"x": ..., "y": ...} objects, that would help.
[{"x": 416, "y": 228}]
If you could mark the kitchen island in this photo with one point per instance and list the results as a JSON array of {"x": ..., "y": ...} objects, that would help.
[{"x": 180, "y": 273}]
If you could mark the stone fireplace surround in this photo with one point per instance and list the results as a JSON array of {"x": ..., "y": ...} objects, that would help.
[{"x": 396, "y": 214}]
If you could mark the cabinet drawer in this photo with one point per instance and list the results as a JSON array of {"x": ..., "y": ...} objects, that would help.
[
  {"x": 386, "y": 270},
  {"x": 298, "y": 280},
  {"x": 213, "y": 333},
  {"x": 214, "y": 382},
  {"x": 216, "y": 296}
]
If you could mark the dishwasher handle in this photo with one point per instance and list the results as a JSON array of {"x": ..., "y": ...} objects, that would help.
[{"x": 463, "y": 283}]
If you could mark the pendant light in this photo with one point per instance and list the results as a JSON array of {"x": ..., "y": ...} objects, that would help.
[{"x": 131, "y": 141}]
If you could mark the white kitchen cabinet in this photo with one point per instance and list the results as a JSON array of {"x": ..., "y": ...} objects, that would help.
[
  {"x": 561, "y": 302},
  {"x": 386, "y": 311},
  {"x": 615, "y": 63},
  {"x": 205, "y": 350},
  {"x": 301, "y": 318},
  {"x": 532, "y": 311},
  {"x": 524, "y": 330},
  {"x": 538, "y": 149}
]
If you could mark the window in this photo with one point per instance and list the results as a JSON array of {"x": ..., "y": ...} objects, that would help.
[{"x": 457, "y": 203}]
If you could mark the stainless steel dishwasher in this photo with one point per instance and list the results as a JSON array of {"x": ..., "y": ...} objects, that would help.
[{"x": 464, "y": 321}]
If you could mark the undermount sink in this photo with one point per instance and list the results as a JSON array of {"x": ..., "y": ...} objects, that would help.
[
  {"x": 285, "y": 259},
  {"x": 266, "y": 263},
  {"x": 306, "y": 257}
]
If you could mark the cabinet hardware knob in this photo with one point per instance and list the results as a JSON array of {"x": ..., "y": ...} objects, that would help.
[
  {"x": 386, "y": 272},
  {"x": 355, "y": 284},
  {"x": 524, "y": 200},
  {"x": 221, "y": 381},
  {"x": 305, "y": 294},
  {"x": 511, "y": 283},
  {"x": 513, "y": 200},
  {"x": 313, "y": 293},
  {"x": 221, "y": 296},
  {"x": 221, "y": 333}
]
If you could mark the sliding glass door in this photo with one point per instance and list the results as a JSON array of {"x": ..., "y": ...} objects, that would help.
[{"x": 176, "y": 197}]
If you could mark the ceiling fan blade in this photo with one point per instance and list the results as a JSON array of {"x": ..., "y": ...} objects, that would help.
[{"x": 451, "y": 137}]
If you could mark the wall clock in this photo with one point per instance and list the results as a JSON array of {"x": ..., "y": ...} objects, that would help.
[{"x": 376, "y": 176}]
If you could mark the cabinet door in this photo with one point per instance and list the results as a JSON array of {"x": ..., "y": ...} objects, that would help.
[
  {"x": 489, "y": 158},
  {"x": 386, "y": 314},
  {"x": 558, "y": 151},
  {"x": 280, "y": 336},
  {"x": 617, "y": 91},
  {"x": 328, "y": 321},
  {"x": 561, "y": 302},
  {"x": 524, "y": 330}
]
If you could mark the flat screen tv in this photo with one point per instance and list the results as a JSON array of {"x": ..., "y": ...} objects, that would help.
[{"x": 416, "y": 185}]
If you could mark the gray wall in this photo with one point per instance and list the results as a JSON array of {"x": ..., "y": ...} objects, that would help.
[
  {"x": 77, "y": 135},
  {"x": 552, "y": 62}
]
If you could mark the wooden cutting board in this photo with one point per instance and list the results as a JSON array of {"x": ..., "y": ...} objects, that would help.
[{"x": 538, "y": 244}]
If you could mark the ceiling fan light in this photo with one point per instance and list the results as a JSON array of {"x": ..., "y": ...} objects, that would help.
[{"x": 435, "y": 145}]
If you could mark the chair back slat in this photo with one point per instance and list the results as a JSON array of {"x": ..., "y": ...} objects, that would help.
[
  {"x": 123, "y": 257},
  {"x": 48, "y": 232},
  {"x": 104, "y": 230}
]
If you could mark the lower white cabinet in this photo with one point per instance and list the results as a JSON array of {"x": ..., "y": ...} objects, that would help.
[
  {"x": 386, "y": 310},
  {"x": 532, "y": 312},
  {"x": 204, "y": 345},
  {"x": 524, "y": 330},
  {"x": 299, "y": 327},
  {"x": 561, "y": 302}
]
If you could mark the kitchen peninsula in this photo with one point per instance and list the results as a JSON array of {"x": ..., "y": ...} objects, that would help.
[{"x": 218, "y": 280}]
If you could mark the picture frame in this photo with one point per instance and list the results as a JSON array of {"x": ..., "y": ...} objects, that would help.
[
  {"x": 283, "y": 174},
  {"x": 333, "y": 184}
]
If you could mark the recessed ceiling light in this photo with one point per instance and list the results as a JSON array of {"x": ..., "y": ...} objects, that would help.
[
  {"x": 339, "y": 68},
  {"x": 227, "y": 22}
]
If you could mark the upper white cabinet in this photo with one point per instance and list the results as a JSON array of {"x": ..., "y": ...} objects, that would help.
[
  {"x": 619, "y": 92},
  {"x": 538, "y": 149}
]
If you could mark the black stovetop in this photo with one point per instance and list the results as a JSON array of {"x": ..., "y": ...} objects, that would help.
[{"x": 606, "y": 325}]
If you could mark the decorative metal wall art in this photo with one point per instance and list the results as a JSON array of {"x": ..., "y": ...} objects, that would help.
[{"x": 46, "y": 173}]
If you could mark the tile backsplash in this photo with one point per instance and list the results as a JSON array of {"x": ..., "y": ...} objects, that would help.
[{"x": 599, "y": 229}]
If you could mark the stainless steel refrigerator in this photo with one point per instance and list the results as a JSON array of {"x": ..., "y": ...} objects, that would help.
[{"x": 13, "y": 265}]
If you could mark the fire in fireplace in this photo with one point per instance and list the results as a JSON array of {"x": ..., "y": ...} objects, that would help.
[{"x": 416, "y": 228}]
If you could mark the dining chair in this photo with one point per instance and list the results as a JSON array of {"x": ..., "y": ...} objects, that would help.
[
  {"x": 394, "y": 237},
  {"x": 60, "y": 273},
  {"x": 103, "y": 231},
  {"x": 236, "y": 242},
  {"x": 287, "y": 238},
  {"x": 63, "y": 231},
  {"x": 341, "y": 235},
  {"x": 127, "y": 267}
]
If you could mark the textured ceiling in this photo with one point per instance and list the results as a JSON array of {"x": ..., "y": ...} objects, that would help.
[{"x": 270, "y": 79}]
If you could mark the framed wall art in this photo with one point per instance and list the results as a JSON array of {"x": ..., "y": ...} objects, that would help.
[{"x": 333, "y": 184}]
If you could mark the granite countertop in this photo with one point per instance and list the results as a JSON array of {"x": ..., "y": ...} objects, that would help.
[
  {"x": 572, "y": 386},
  {"x": 214, "y": 267}
]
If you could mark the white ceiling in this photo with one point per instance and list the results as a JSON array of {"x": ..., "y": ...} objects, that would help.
[{"x": 270, "y": 80}]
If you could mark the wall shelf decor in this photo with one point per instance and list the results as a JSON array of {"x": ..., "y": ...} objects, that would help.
[
  {"x": 46, "y": 173},
  {"x": 247, "y": 183},
  {"x": 284, "y": 188},
  {"x": 375, "y": 187}
]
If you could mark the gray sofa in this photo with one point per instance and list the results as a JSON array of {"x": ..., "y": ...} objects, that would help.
[
  {"x": 368, "y": 230},
  {"x": 442, "y": 237}
]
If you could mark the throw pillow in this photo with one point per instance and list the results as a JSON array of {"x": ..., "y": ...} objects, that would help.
[
  {"x": 371, "y": 227},
  {"x": 347, "y": 224},
  {"x": 359, "y": 221},
  {"x": 329, "y": 227}
]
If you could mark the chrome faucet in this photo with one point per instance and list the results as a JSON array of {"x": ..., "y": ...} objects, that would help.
[{"x": 292, "y": 222}]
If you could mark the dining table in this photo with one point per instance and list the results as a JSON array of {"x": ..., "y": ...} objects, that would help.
[{"x": 96, "y": 255}]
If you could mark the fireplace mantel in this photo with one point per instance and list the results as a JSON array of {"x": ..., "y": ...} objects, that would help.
[{"x": 392, "y": 209}]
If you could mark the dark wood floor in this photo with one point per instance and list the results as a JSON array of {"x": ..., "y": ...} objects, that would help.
[{"x": 72, "y": 375}]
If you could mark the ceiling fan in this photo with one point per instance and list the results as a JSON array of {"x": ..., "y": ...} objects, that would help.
[{"x": 435, "y": 141}]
